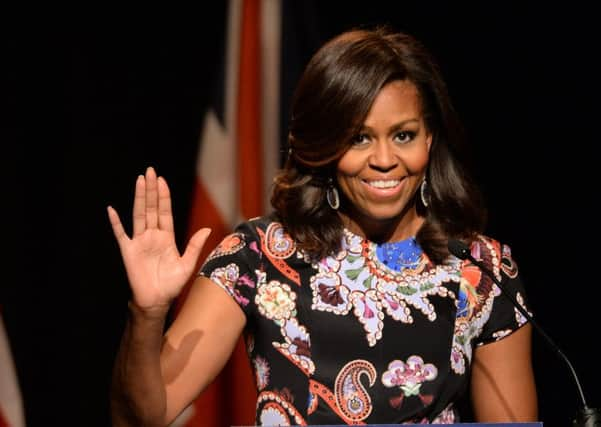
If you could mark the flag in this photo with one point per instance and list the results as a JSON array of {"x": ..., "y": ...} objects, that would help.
[
  {"x": 238, "y": 157},
  {"x": 11, "y": 408}
]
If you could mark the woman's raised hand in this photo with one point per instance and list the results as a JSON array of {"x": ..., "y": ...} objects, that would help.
[{"x": 155, "y": 269}]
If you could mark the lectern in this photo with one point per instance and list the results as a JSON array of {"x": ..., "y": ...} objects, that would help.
[{"x": 451, "y": 425}]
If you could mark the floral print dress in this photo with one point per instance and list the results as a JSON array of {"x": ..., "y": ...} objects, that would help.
[{"x": 372, "y": 334}]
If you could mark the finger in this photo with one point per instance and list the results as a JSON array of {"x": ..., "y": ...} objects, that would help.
[
  {"x": 118, "y": 229},
  {"x": 195, "y": 245},
  {"x": 152, "y": 198},
  {"x": 165, "y": 215},
  {"x": 139, "y": 212}
]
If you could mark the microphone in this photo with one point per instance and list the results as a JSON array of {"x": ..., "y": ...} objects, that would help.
[{"x": 586, "y": 417}]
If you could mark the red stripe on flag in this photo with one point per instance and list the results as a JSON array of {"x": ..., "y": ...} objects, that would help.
[
  {"x": 203, "y": 213},
  {"x": 231, "y": 398},
  {"x": 242, "y": 387},
  {"x": 249, "y": 113}
]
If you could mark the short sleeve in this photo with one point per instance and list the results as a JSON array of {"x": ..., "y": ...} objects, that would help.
[
  {"x": 233, "y": 265},
  {"x": 505, "y": 318}
]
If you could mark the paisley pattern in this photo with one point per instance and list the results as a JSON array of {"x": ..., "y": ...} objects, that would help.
[
  {"x": 356, "y": 279},
  {"x": 352, "y": 397},
  {"x": 275, "y": 409},
  {"x": 277, "y": 257},
  {"x": 350, "y": 400},
  {"x": 279, "y": 244},
  {"x": 229, "y": 245},
  {"x": 347, "y": 339}
]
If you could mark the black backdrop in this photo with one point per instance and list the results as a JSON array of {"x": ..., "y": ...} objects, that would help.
[{"x": 95, "y": 100}]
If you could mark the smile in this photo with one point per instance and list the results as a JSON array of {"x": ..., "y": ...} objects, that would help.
[{"x": 383, "y": 184}]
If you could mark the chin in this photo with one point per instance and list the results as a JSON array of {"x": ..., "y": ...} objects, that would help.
[
  {"x": 389, "y": 213},
  {"x": 383, "y": 216}
]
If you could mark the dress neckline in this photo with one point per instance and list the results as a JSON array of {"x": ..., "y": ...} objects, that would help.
[{"x": 398, "y": 255}]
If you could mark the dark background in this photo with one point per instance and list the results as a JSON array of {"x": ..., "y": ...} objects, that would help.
[{"x": 96, "y": 99}]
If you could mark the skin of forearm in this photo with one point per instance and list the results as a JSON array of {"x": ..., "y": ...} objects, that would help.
[{"x": 137, "y": 390}]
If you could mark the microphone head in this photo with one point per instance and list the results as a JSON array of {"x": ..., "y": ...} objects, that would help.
[{"x": 459, "y": 249}]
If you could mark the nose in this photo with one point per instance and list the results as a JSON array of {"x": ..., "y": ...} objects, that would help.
[{"x": 383, "y": 157}]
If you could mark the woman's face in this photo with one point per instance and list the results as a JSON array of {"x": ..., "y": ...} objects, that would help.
[{"x": 386, "y": 164}]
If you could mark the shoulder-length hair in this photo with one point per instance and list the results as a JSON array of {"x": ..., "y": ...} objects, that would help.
[{"x": 330, "y": 103}]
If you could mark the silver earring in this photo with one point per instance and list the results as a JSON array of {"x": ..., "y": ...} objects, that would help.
[
  {"x": 422, "y": 192},
  {"x": 332, "y": 195}
]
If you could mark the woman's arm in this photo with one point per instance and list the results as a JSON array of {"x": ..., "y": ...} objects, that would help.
[
  {"x": 502, "y": 383},
  {"x": 137, "y": 389},
  {"x": 154, "y": 378},
  {"x": 198, "y": 343}
]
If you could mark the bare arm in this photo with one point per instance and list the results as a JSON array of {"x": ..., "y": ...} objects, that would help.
[
  {"x": 502, "y": 384},
  {"x": 148, "y": 388},
  {"x": 198, "y": 343},
  {"x": 155, "y": 376},
  {"x": 137, "y": 389}
]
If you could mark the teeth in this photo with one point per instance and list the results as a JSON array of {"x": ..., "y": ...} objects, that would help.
[{"x": 384, "y": 183}]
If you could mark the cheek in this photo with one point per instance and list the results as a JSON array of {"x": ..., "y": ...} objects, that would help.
[
  {"x": 349, "y": 165},
  {"x": 349, "y": 168},
  {"x": 417, "y": 161}
]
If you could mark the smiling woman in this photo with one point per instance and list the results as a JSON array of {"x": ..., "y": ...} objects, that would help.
[
  {"x": 353, "y": 309},
  {"x": 371, "y": 107},
  {"x": 380, "y": 173}
]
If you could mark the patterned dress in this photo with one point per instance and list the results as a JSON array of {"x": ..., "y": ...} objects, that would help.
[{"x": 373, "y": 334}]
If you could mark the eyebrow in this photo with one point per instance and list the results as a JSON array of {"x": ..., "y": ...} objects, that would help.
[{"x": 395, "y": 126}]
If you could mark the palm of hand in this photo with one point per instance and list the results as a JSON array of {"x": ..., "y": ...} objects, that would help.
[{"x": 155, "y": 269}]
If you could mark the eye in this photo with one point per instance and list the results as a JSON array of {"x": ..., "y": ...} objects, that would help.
[
  {"x": 360, "y": 139},
  {"x": 405, "y": 136}
]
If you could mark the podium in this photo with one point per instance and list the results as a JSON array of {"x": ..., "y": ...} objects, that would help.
[{"x": 537, "y": 424}]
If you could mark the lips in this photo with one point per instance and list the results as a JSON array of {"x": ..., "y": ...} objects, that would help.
[
  {"x": 383, "y": 188},
  {"x": 383, "y": 184}
]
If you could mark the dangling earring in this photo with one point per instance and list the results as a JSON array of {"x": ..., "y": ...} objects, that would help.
[
  {"x": 332, "y": 195},
  {"x": 422, "y": 192}
]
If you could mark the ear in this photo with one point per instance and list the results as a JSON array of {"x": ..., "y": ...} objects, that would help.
[{"x": 429, "y": 141}]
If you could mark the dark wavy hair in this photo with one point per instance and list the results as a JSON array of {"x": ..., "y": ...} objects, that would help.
[{"x": 330, "y": 103}]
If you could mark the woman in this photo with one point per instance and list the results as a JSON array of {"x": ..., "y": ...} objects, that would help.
[{"x": 353, "y": 310}]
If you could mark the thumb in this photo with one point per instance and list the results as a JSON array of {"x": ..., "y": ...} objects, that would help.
[{"x": 195, "y": 245}]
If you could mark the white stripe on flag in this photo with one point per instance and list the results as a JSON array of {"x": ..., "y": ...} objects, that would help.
[
  {"x": 271, "y": 14},
  {"x": 216, "y": 164}
]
